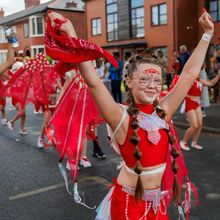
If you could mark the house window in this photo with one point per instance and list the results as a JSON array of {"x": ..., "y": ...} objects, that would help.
[
  {"x": 26, "y": 30},
  {"x": 112, "y": 20},
  {"x": 96, "y": 26},
  {"x": 36, "y": 50},
  {"x": 159, "y": 14},
  {"x": 215, "y": 10},
  {"x": 137, "y": 18},
  {"x": 36, "y": 26},
  {"x": 3, "y": 56},
  {"x": 2, "y": 35}
]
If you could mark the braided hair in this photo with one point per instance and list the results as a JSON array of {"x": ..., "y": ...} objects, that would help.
[{"x": 133, "y": 111}]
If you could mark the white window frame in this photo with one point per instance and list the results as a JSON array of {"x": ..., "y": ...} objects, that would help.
[
  {"x": 37, "y": 47},
  {"x": 98, "y": 22},
  {"x": 26, "y": 32},
  {"x": 2, "y": 33},
  {"x": 5, "y": 58},
  {"x": 31, "y": 27}
]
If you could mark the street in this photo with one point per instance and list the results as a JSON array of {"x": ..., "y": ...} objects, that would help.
[{"x": 32, "y": 187}]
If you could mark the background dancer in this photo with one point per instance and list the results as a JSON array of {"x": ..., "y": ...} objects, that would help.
[
  {"x": 48, "y": 111},
  {"x": 194, "y": 113},
  {"x": 143, "y": 148},
  {"x": 20, "y": 114}
]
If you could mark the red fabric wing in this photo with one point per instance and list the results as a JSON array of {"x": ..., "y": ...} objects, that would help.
[
  {"x": 73, "y": 50},
  {"x": 168, "y": 178},
  {"x": 71, "y": 117},
  {"x": 32, "y": 83}
]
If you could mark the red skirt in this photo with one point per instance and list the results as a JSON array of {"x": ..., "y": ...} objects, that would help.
[
  {"x": 14, "y": 101},
  {"x": 2, "y": 102},
  {"x": 191, "y": 105},
  {"x": 124, "y": 207}
]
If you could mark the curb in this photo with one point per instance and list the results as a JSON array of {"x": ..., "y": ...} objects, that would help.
[{"x": 204, "y": 128}]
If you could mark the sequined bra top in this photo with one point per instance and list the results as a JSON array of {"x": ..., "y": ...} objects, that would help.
[
  {"x": 153, "y": 139},
  {"x": 196, "y": 89}
]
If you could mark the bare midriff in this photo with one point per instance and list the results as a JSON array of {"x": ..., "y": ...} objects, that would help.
[
  {"x": 194, "y": 98},
  {"x": 151, "y": 181}
]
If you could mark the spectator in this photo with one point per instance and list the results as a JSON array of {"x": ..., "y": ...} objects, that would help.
[
  {"x": 175, "y": 64},
  {"x": 149, "y": 55},
  {"x": 184, "y": 56},
  {"x": 215, "y": 66},
  {"x": 162, "y": 61},
  {"x": 106, "y": 80},
  {"x": 116, "y": 77},
  {"x": 126, "y": 57},
  {"x": 205, "y": 93}
]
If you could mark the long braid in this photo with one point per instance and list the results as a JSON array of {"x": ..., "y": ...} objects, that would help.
[
  {"x": 174, "y": 153},
  {"x": 133, "y": 112}
]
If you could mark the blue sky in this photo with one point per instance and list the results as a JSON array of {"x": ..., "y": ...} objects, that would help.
[{"x": 12, "y": 6}]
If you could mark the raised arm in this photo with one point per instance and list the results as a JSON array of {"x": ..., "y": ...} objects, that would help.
[
  {"x": 9, "y": 61},
  {"x": 211, "y": 82},
  {"x": 109, "y": 109},
  {"x": 191, "y": 70}
]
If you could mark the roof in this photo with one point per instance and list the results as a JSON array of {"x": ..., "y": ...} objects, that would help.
[
  {"x": 25, "y": 13},
  {"x": 73, "y": 5},
  {"x": 53, "y": 4}
]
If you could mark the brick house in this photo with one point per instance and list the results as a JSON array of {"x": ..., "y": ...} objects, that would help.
[
  {"x": 29, "y": 24},
  {"x": 134, "y": 25}
]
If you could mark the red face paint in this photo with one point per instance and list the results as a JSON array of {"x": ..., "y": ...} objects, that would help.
[{"x": 152, "y": 71}]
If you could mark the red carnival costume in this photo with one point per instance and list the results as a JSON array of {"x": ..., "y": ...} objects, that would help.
[
  {"x": 119, "y": 202},
  {"x": 155, "y": 149},
  {"x": 2, "y": 99},
  {"x": 193, "y": 96},
  {"x": 32, "y": 83},
  {"x": 192, "y": 100}
]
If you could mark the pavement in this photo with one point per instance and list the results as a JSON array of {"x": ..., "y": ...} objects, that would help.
[
  {"x": 211, "y": 123},
  {"x": 31, "y": 186}
]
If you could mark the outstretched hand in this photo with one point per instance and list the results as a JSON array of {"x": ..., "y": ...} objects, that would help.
[
  {"x": 206, "y": 22},
  {"x": 62, "y": 24}
]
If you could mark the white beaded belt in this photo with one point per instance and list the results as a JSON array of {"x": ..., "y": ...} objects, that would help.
[{"x": 153, "y": 196}]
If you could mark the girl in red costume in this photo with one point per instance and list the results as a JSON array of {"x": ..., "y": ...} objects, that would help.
[
  {"x": 141, "y": 129},
  {"x": 194, "y": 113},
  {"x": 20, "y": 114},
  {"x": 4, "y": 76},
  {"x": 48, "y": 111}
]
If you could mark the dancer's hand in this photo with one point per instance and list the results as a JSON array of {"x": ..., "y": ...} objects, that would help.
[
  {"x": 60, "y": 22},
  {"x": 206, "y": 22}
]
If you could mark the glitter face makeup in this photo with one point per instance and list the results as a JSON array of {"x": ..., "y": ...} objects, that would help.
[{"x": 152, "y": 71}]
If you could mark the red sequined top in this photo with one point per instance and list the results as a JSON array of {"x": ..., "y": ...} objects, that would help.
[
  {"x": 151, "y": 154},
  {"x": 196, "y": 89}
]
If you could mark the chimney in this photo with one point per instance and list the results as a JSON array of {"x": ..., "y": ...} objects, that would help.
[
  {"x": 31, "y": 3},
  {"x": 2, "y": 13},
  {"x": 71, "y": 4}
]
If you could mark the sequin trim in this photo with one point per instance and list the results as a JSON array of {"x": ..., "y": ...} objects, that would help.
[{"x": 152, "y": 123}]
